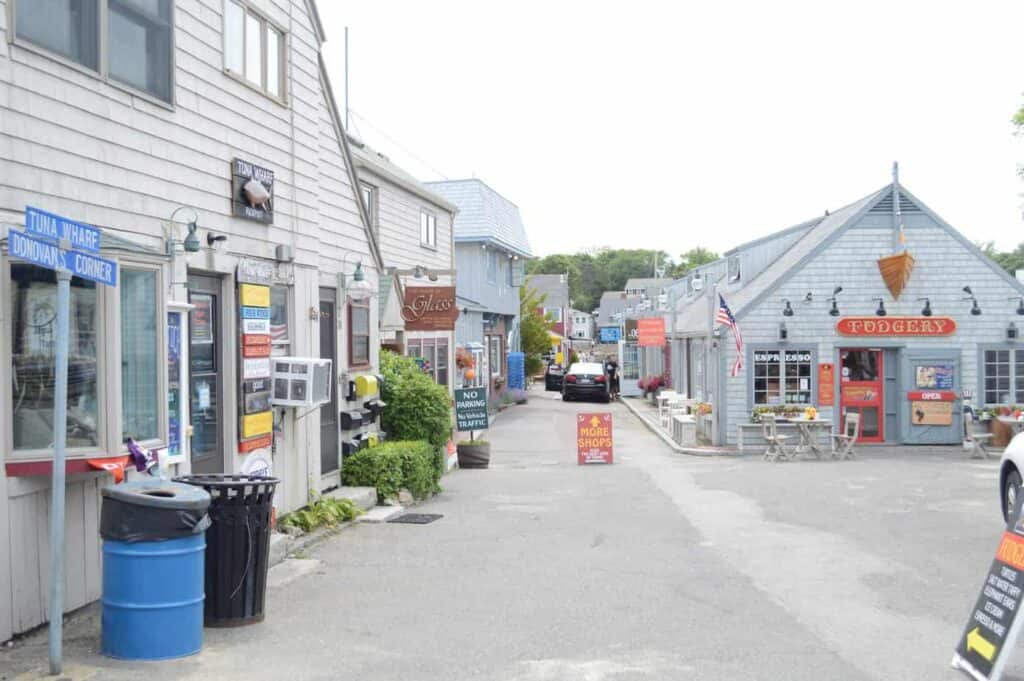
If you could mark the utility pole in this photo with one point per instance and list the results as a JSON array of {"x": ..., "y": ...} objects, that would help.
[{"x": 346, "y": 79}]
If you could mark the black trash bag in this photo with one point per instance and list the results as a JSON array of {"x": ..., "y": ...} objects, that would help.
[{"x": 153, "y": 510}]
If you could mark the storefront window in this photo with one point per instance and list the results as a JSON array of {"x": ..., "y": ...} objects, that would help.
[
  {"x": 139, "y": 385},
  {"x": 860, "y": 365},
  {"x": 434, "y": 351},
  {"x": 782, "y": 377},
  {"x": 997, "y": 376},
  {"x": 33, "y": 346},
  {"x": 280, "y": 340}
]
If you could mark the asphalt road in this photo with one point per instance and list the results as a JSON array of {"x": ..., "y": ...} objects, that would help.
[{"x": 661, "y": 566}]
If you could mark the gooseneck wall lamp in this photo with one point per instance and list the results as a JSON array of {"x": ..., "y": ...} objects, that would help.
[
  {"x": 834, "y": 310},
  {"x": 191, "y": 241},
  {"x": 1020, "y": 305},
  {"x": 788, "y": 310},
  {"x": 975, "y": 308},
  {"x": 927, "y": 309},
  {"x": 881, "y": 307}
]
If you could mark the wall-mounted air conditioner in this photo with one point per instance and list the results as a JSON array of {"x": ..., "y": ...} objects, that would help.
[{"x": 301, "y": 381}]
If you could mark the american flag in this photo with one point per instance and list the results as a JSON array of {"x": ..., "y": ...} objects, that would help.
[{"x": 724, "y": 316}]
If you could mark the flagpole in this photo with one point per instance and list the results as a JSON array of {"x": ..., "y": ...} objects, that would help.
[{"x": 716, "y": 397}]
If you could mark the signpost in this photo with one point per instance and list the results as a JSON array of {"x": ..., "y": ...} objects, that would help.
[
  {"x": 593, "y": 438},
  {"x": 471, "y": 409},
  {"x": 57, "y": 243},
  {"x": 994, "y": 626}
]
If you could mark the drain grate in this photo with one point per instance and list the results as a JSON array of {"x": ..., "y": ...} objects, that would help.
[{"x": 416, "y": 518}]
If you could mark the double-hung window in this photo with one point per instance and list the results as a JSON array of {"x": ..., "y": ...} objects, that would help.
[
  {"x": 782, "y": 377},
  {"x": 494, "y": 354},
  {"x": 139, "y": 47},
  {"x": 358, "y": 333},
  {"x": 254, "y": 48},
  {"x": 428, "y": 229},
  {"x": 1003, "y": 376}
]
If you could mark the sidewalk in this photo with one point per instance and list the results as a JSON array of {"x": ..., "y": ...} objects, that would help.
[{"x": 648, "y": 415}]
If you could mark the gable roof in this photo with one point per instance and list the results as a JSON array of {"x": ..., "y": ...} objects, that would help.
[
  {"x": 369, "y": 159},
  {"x": 806, "y": 246},
  {"x": 484, "y": 215},
  {"x": 828, "y": 228}
]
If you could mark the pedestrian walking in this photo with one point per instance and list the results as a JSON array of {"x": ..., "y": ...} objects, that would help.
[{"x": 611, "y": 371}]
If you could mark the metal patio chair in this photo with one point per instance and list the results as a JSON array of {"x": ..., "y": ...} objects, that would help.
[
  {"x": 842, "y": 443},
  {"x": 977, "y": 443},
  {"x": 776, "y": 450}
]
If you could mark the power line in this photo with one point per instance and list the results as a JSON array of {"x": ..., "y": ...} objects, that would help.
[{"x": 398, "y": 144}]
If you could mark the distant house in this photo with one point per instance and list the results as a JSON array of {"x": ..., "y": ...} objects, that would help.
[
  {"x": 581, "y": 325},
  {"x": 651, "y": 292},
  {"x": 491, "y": 248}
]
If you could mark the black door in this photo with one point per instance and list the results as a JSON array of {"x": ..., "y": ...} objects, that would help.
[
  {"x": 205, "y": 374},
  {"x": 329, "y": 412}
]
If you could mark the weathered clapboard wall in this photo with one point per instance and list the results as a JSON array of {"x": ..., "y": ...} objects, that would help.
[{"x": 87, "y": 148}]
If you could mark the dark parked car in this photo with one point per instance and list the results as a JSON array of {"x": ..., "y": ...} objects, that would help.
[
  {"x": 553, "y": 377},
  {"x": 585, "y": 379}
]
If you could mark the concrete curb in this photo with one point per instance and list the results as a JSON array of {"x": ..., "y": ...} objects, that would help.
[{"x": 676, "y": 447}]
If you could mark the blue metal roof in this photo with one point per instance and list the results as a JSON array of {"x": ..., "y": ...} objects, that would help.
[{"x": 484, "y": 215}]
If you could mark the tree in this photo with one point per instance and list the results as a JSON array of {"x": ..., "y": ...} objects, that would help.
[
  {"x": 534, "y": 329},
  {"x": 695, "y": 257}
]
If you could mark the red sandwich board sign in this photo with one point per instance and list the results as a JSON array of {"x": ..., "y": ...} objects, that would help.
[
  {"x": 593, "y": 438},
  {"x": 994, "y": 624}
]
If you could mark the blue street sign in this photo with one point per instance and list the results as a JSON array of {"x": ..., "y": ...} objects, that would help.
[
  {"x": 45, "y": 225},
  {"x": 255, "y": 312},
  {"x": 610, "y": 334},
  {"x": 45, "y": 254}
]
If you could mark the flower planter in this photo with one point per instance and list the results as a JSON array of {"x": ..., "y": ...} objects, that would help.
[
  {"x": 1002, "y": 433},
  {"x": 474, "y": 454}
]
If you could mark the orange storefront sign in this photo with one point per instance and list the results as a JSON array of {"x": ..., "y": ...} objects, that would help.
[
  {"x": 896, "y": 326},
  {"x": 826, "y": 384},
  {"x": 651, "y": 332},
  {"x": 593, "y": 438}
]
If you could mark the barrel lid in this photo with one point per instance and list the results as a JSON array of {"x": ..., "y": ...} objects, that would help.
[{"x": 160, "y": 494}]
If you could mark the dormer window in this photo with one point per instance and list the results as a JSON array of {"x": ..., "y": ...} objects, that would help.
[{"x": 734, "y": 268}]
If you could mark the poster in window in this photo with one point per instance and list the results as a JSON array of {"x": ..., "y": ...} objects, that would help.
[
  {"x": 202, "y": 318},
  {"x": 174, "y": 453},
  {"x": 935, "y": 376}
]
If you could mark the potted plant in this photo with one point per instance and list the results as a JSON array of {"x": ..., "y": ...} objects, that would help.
[{"x": 474, "y": 453}]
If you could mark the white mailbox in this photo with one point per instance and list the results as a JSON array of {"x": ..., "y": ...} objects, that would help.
[{"x": 300, "y": 381}]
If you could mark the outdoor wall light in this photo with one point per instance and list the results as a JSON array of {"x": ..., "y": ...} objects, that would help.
[
  {"x": 834, "y": 311},
  {"x": 783, "y": 331},
  {"x": 1020, "y": 305},
  {"x": 927, "y": 309},
  {"x": 1011, "y": 331},
  {"x": 191, "y": 242},
  {"x": 358, "y": 289},
  {"x": 809, "y": 298},
  {"x": 213, "y": 239},
  {"x": 881, "y": 307},
  {"x": 975, "y": 308},
  {"x": 788, "y": 310}
]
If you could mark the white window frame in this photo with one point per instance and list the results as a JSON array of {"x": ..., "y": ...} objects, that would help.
[
  {"x": 428, "y": 229},
  {"x": 102, "y": 70},
  {"x": 495, "y": 366},
  {"x": 284, "y": 53},
  {"x": 114, "y": 330},
  {"x": 369, "y": 194},
  {"x": 1017, "y": 396}
]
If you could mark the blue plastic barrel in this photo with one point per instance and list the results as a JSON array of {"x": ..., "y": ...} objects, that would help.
[{"x": 153, "y": 570}]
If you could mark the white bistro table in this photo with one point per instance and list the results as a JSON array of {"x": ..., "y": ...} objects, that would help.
[{"x": 809, "y": 430}]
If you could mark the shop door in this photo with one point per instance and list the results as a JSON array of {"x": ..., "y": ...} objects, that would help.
[
  {"x": 329, "y": 436},
  {"x": 206, "y": 374},
  {"x": 862, "y": 391},
  {"x": 629, "y": 369}
]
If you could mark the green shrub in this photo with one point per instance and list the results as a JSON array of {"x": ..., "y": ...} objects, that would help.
[
  {"x": 417, "y": 408},
  {"x": 417, "y": 466}
]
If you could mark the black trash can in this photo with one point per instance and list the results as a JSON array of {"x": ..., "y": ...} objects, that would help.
[{"x": 237, "y": 547}]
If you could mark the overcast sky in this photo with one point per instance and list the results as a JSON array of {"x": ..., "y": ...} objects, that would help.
[{"x": 671, "y": 125}]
